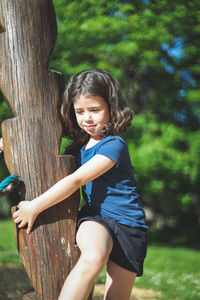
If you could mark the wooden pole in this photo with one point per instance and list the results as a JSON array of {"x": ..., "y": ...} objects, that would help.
[{"x": 32, "y": 140}]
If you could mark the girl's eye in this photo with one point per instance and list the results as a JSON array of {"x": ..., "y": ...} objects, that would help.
[
  {"x": 79, "y": 112},
  {"x": 95, "y": 110}
]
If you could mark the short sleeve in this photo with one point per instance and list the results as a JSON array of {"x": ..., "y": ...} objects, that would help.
[{"x": 113, "y": 148}]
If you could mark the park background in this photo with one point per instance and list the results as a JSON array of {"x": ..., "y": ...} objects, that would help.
[{"x": 152, "y": 49}]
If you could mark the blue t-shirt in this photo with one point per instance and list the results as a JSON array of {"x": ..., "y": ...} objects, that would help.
[{"x": 113, "y": 194}]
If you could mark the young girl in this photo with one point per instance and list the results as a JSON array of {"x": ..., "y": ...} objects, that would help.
[{"x": 111, "y": 227}]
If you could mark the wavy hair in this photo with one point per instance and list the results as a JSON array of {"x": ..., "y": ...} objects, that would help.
[{"x": 94, "y": 82}]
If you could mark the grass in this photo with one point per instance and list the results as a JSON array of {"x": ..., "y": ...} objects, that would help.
[
  {"x": 8, "y": 251},
  {"x": 173, "y": 271}
]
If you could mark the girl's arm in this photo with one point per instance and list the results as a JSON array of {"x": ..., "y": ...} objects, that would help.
[{"x": 28, "y": 210}]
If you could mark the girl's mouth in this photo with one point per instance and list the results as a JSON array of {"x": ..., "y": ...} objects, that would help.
[{"x": 90, "y": 126}]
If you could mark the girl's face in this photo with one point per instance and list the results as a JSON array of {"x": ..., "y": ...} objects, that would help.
[{"x": 92, "y": 113}]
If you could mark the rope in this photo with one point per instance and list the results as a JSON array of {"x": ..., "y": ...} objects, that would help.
[{"x": 10, "y": 179}]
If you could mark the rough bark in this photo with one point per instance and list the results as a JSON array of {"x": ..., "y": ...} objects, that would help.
[{"x": 32, "y": 139}]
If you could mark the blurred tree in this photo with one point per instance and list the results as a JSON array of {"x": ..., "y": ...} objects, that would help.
[{"x": 152, "y": 48}]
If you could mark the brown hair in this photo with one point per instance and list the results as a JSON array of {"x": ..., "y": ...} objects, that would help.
[{"x": 94, "y": 82}]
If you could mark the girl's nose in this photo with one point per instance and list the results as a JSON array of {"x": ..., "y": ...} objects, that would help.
[{"x": 88, "y": 117}]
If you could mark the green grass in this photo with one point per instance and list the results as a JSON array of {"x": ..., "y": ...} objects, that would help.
[
  {"x": 8, "y": 251},
  {"x": 173, "y": 271}
]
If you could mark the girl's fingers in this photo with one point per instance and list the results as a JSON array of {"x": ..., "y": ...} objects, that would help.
[
  {"x": 17, "y": 220},
  {"x": 19, "y": 204},
  {"x": 24, "y": 216},
  {"x": 29, "y": 228},
  {"x": 15, "y": 215},
  {"x": 22, "y": 224}
]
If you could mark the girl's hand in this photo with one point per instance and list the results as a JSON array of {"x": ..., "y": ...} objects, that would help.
[
  {"x": 26, "y": 214},
  {"x": 1, "y": 144}
]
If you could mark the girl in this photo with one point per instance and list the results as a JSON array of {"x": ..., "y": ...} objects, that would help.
[{"x": 111, "y": 228}]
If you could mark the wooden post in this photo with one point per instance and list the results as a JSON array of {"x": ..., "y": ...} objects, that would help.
[{"x": 32, "y": 140}]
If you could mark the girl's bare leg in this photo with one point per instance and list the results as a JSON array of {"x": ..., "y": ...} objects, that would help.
[
  {"x": 95, "y": 244},
  {"x": 119, "y": 282}
]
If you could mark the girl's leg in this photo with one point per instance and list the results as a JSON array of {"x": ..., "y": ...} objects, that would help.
[
  {"x": 95, "y": 244},
  {"x": 119, "y": 282}
]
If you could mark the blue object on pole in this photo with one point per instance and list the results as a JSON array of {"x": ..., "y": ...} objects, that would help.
[{"x": 7, "y": 181}]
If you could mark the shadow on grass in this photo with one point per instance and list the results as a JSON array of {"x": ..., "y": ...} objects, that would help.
[{"x": 14, "y": 282}]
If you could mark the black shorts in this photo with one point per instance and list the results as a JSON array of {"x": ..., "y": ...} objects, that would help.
[{"x": 129, "y": 244}]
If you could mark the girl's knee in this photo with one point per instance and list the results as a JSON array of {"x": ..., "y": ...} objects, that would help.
[{"x": 94, "y": 260}]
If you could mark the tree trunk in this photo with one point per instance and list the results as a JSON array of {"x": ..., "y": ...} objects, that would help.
[{"x": 32, "y": 139}]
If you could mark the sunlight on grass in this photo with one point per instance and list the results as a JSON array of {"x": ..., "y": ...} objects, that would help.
[{"x": 172, "y": 271}]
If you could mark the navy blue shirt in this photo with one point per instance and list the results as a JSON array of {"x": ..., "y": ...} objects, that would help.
[{"x": 113, "y": 194}]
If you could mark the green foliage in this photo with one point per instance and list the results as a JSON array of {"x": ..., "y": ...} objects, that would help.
[
  {"x": 5, "y": 112},
  {"x": 171, "y": 153},
  {"x": 152, "y": 48}
]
